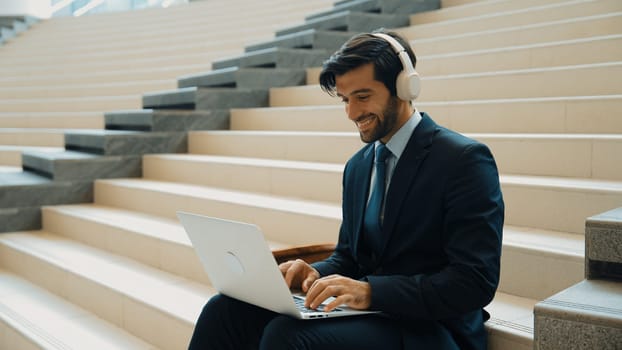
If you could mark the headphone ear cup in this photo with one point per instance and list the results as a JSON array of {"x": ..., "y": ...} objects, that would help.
[{"x": 408, "y": 85}]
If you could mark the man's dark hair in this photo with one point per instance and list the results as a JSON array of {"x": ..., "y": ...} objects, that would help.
[{"x": 362, "y": 49}]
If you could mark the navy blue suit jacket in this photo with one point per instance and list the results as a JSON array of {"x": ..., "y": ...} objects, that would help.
[{"x": 442, "y": 233}]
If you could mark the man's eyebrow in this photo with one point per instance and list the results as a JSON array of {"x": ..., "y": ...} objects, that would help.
[{"x": 359, "y": 91}]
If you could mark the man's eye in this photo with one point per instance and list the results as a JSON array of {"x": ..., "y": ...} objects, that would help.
[{"x": 363, "y": 97}]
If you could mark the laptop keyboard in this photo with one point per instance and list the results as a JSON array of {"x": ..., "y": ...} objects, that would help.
[{"x": 300, "y": 304}]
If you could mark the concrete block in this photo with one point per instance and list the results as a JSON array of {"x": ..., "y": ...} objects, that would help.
[
  {"x": 249, "y": 78},
  {"x": 168, "y": 120},
  {"x": 119, "y": 142},
  {"x": 311, "y": 38},
  {"x": 351, "y": 21},
  {"x": 20, "y": 219},
  {"x": 206, "y": 98},
  {"x": 79, "y": 166},
  {"x": 27, "y": 189},
  {"x": 275, "y": 57},
  {"x": 586, "y": 316},
  {"x": 603, "y": 246},
  {"x": 353, "y": 6}
]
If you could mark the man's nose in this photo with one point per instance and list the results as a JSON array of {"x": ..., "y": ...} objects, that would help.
[{"x": 352, "y": 112}]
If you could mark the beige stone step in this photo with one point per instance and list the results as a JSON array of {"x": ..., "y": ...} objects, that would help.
[
  {"x": 52, "y": 120},
  {"x": 132, "y": 50},
  {"x": 195, "y": 61},
  {"x": 322, "y": 181},
  {"x": 129, "y": 87},
  {"x": 457, "y": 9},
  {"x": 146, "y": 302},
  {"x": 166, "y": 75},
  {"x": 33, "y": 318},
  {"x": 559, "y": 53},
  {"x": 574, "y": 155},
  {"x": 12, "y": 155},
  {"x": 84, "y": 104},
  {"x": 569, "y": 29},
  {"x": 523, "y": 83},
  {"x": 32, "y": 137},
  {"x": 163, "y": 242},
  {"x": 528, "y": 15},
  {"x": 511, "y": 322},
  {"x": 581, "y": 114},
  {"x": 558, "y": 204},
  {"x": 282, "y": 219},
  {"x": 537, "y": 263}
]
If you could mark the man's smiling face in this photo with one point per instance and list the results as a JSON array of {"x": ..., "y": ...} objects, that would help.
[{"x": 368, "y": 104}]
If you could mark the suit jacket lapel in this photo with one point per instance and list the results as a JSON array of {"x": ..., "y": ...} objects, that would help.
[{"x": 405, "y": 172}]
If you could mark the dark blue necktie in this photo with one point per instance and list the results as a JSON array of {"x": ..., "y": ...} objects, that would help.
[{"x": 373, "y": 213}]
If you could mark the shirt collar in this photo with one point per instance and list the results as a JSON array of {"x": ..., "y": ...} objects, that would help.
[{"x": 398, "y": 141}]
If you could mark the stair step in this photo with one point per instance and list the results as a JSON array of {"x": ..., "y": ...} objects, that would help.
[
  {"x": 327, "y": 147},
  {"x": 31, "y": 317},
  {"x": 558, "y": 204},
  {"x": 575, "y": 114},
  {"x": 32, "y": 137},
  {"x": 322, "y": 181},
  {"x": 511, "y": 322},
  {"x": 526, "y": 15},
  {"x": 537, "y": 263},
  {"x": 106, "y": 76},
  {"x": 447, "y": 12},
  {"x": 350, "y": 21},
  {"x": 84, "y": 104},
  {"x": 22, "y": 193},
  {"x": 12, "y": 155},
  {"x": 311, "y": 38},
  {"x": 164, "y": 243},
  {"x": 79, "y": 166},
  {"x": 17, "y": 93},
  {"x": 377, "y": 6},
  {"x": 119, "y": 290},
  {"x": 125, "y": 143},
  {"x": 523, "y": 83},
  {"x": 282, "y": 219},
  {"x": 569, "y": 155},
  {"x": 275, "y": 57},
  {"x": 62, "y": 120},
  {"x": 246, "y": 78},
  {"x": 167, "y": 120},
  {"x": 205, "y": 98},
  {"x": 567, "y": 29},
  {"x": 588, "y": 312}
]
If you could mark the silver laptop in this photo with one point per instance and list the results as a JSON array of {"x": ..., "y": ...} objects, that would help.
[{"x": 239, "y": 264}]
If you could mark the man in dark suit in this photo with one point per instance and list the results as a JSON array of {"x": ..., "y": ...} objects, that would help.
[{"x": 421, "y": 234}]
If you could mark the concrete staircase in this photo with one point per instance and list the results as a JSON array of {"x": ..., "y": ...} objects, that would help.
[
  {"x": 525, "y": 77},
  {"x": 64, "y": 73}
]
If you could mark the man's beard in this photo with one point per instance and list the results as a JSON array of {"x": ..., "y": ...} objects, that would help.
[{"x": 383, "y": 126}]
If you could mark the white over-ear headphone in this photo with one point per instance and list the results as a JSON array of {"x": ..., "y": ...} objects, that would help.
[{"x": 407, "y": 84}]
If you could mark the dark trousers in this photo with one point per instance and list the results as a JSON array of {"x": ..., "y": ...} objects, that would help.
[{"x": 227, "y": 323}]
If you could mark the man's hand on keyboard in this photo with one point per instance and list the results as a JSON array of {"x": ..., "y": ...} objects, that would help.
[
  {"x": 355, "y": 294},
  {"x": 298, "y": 274}
]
